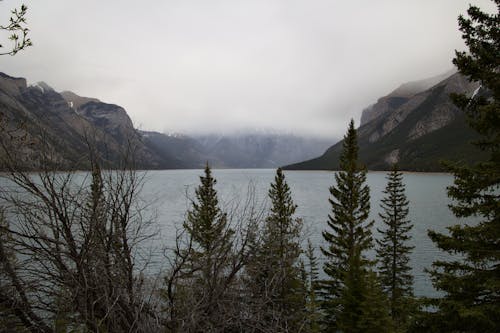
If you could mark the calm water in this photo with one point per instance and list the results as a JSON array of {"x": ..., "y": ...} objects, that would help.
[{"x": 168, "y": 192}]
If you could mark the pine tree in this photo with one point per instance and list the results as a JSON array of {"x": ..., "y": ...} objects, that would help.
[
  {"x": 471, "y": 283},
  {"x": 206, "y": 223},
  {"x": 348, "y": 238},
  {"x": 312, "y": 304},
  {"x": 375, "y": 311},
  {"x": 210, "y": 259},
  {"x": 393, "y": 250},
  {"x": 282, "y": 234},
  {"x": 276, "y": 269}
]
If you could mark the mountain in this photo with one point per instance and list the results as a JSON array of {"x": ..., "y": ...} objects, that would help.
[
  {"x": 40, "y": 125},
  {"x": 43, "y": 128},
  {"x": 417, "y": 132},
  {"x": 76, "y": 101},
  {"x": 400, "y": 96},
  {"x": 243, "y": 150},
  {"x": 182, "y": 152},
  {"x": 259, "y": 149}
]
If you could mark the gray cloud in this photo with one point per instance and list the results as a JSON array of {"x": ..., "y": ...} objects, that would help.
[{"x": 302, "y": 66}]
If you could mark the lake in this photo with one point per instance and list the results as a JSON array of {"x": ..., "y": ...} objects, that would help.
[{"x": 168, "y": 191}]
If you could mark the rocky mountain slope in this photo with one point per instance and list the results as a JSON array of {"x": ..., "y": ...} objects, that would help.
[
  {"x": 400, "y": 96},
  {"x": 60, "y": 127},
  {"x": 181, "y": 151},
  {"x": 42, "y": 128},
  {"x": 416, "y": 131}
]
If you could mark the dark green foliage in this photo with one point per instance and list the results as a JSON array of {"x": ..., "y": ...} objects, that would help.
[
  {"x": 348, "y": 238},
  {"x": 276, "y": 269},
  {"x": 375, "y": 314},
  {"x": 471, "y": 283},
  {"x": 206, "y": 223},
  {"x": 201, "y": 293},
  {"x": 312, "y": 305},
  {"x": 393, "y": 250},
  {"x": 282, "y": 230}
]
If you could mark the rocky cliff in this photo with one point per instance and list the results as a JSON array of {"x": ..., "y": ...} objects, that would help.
[
  {"x": 421, "y": 131},
  {"x": 400, "y": 96},
  {"x": 63, "y": 127},
  {"x": 43, "y": 129}
]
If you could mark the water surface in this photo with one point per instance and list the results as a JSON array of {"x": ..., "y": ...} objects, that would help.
[{"x": 169, "y": 192}]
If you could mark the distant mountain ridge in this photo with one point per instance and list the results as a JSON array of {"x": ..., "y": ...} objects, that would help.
[
  {"x": 416, "y": 131},
  {"x": 63, "y": 133},
  {"x": 75, "y": 101},
  {"x": 65, "y": 124},
  {"x": 259, "y": 150},
  {"x": 414, "y": 125}
]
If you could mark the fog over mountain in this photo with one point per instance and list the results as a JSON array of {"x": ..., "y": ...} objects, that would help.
[
  {"x": 64, "y": 125},
  {"x": 209, "y": 66},
  {"x": 416, "y": 126}
]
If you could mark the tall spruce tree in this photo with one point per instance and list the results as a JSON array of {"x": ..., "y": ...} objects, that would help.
[
  {"x": 348, "y": 238},
  {"x": 393, "y": 250},
  {"x": 210, "y": 258},
  {"x": 276, "y": 268},
  {"x": 375, "y": 315},
  {"x": 312, "y": 303},
  {"x": 206, "y": 223},
  {"x": 471, "y": 283}
]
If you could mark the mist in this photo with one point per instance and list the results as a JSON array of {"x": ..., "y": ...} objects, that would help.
[{"x": 303, "y": 67}]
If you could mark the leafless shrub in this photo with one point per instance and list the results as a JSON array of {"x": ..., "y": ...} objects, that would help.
[{"x": 76, "y": 238}]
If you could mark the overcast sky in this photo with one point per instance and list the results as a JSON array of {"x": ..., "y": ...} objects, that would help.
[{"x": 303, "y": 66}]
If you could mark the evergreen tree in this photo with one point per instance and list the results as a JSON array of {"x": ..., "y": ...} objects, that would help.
[
  {"x": 206, "y": 223},
  {"x": 375, "y": 311},
  {"x": 276, "y": 269},
  {"x": 393, "y": 250},
  {"x": 208, "y": 278},
  {"x": 348, "y": 238},
  {"x": 312, "y": 305},
  {"x": 471, "y": 283}
]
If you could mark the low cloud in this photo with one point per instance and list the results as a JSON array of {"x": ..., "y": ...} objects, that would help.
[{"x": 187, "y": 66}]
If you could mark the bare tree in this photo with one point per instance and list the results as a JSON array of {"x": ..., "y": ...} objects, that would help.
[{"x": 76, "y": 237}]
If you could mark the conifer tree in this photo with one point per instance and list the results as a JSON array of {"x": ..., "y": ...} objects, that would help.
[
  {"x": 375, "y": 312},
  {"x": 312, "y": 305},
  {"x": 276, "y": 269},
  {"x": 210, "y": 259},
  {"x": 393, "y": 250},
  {"x": 206, "y": 223},
  {"x": 471, "y": 283},
  {"x": 348, "y": 238}
]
